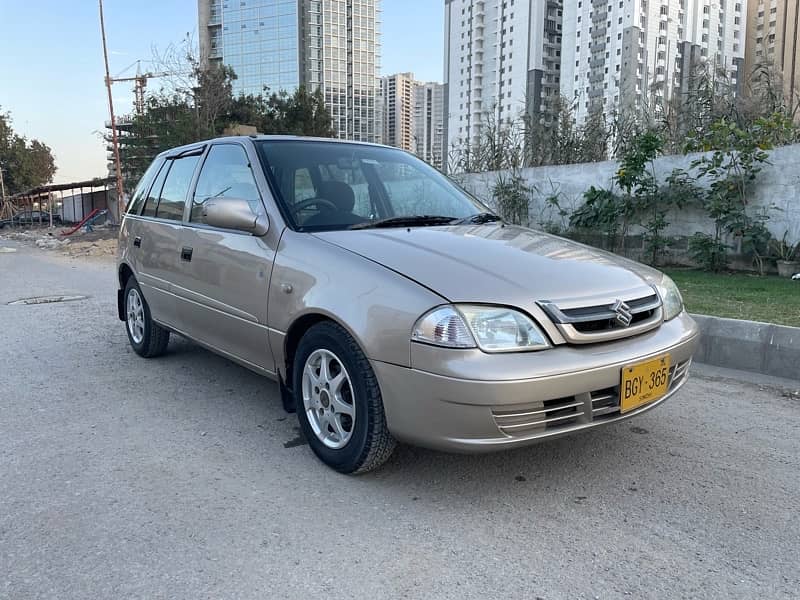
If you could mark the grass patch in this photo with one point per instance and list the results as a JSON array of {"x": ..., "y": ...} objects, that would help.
[{"x": 740, "y": 296}]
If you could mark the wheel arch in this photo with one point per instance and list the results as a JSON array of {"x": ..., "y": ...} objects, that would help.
[
  {"x": 124, "y": 273},
  {"x": 298, "y": 329}
]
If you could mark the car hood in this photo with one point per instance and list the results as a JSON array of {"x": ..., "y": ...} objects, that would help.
[{"x": 496, "y": 263}]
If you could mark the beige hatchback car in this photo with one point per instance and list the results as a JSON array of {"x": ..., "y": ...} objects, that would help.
[{"x": 388, "y": 303}]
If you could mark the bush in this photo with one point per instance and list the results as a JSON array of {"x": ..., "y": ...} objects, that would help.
[
  {"x": 601, "y": 212},
  {"x": 708, "y": 252},
  {"x": 512, "y": 198}
]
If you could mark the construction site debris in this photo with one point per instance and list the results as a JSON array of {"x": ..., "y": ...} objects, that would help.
[{"x": 101, "y": 242}]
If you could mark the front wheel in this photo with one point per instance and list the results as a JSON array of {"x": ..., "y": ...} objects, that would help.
[
  {"x": 147, "y": 338},
  {"x": 339, "y": 404}
]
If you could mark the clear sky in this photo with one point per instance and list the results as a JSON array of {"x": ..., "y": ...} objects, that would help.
[{"x": 51, "y": 78}]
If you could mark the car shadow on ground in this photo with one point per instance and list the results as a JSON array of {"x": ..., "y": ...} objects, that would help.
[{"x": 620, "y": 452}]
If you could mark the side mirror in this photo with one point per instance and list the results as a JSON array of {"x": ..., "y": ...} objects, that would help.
[{"x": 232, "y": 213}]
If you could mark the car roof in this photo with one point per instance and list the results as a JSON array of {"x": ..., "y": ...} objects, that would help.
[{"x": 263, "y": 138}]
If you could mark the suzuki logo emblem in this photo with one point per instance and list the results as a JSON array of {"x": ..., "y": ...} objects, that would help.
[{"x": 624, "y": 316}]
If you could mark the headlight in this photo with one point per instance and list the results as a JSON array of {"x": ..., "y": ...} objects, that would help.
[
  {"x": 443, "y": 326},
  {"x": 491, "y": 328},
  {"x": 670, "y": 298},
  {"x": 500, "y": 329}
]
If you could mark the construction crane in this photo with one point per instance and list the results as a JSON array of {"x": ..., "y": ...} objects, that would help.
[{"x": 139, "y": 84}]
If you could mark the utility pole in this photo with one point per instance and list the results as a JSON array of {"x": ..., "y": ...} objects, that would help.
[{"x": 114, "y": 139}]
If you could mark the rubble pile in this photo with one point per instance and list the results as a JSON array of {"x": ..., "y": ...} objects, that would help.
[
  {"x": 95, "y": 248},
  {"x": 86, "y": 244},
  {"x": 51, "y": 243}
]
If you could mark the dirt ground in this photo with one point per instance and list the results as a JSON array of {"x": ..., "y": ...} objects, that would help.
[{"x": 99, "y": 243}]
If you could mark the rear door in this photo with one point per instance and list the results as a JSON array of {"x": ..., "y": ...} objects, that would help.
[
  {"x": 157, "y": 235},
  {"x": 223, "y": 276},
  {"x": 130, "y": 234}
]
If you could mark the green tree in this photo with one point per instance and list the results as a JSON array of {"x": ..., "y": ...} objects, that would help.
[
  {"x": 300, "y": 113},
  {"x": 25, "y": 163},
  {"x": 602, "y": 211},
  {"x": 205, "y": 107},
  {"x": 614, "y": 213},
  {"x": 734, "y": 158},
  {"x": 642, "y": 200},
  {"x": 191, "y": 110}
]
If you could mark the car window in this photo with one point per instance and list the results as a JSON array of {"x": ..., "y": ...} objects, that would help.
[
  {"x": 140, "y": 193},
  {"x": 342, "y": 186},
  {"x": 151, "y": 202},
  {"x": 226, "y": 173},
  {"x": 351, "y": 174},
  {"x": 176, "y": 187},
  {"x": 303, "y": 185},
  {"x": 412, "y": 192},
  {"x": 359, "y": 184}
]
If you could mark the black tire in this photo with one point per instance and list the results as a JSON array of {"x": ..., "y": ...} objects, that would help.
[
  {"x": 155, "y": 338},
  {"x": 370, "y": 444}
]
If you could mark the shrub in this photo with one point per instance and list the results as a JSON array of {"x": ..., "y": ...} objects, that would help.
[
  {"x": 512, "y": 198},
  {"x": 708, "y": 252}
]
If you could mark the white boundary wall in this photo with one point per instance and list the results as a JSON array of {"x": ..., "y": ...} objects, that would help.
[{"x": 778, "y": 186}]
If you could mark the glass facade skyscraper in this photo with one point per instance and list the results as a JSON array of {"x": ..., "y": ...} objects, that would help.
[
  {"x": 259, "y": 39},
  {"x": 332, "y": 45}
]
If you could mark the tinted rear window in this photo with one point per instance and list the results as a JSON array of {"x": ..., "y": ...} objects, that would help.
[{"x": 140, "y": 193}]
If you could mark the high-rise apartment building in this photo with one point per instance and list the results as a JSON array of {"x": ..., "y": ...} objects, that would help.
[
  {"x": 413, "y": 116},
  {"x": 502, "y": 61},
  {"x": 429, "y": 118},
  {"x": 397, "y": 95},
  {"x": 332, "y": 45},
  {"x": 620, "y": 53},
  {"x": 772, "y": 43}
]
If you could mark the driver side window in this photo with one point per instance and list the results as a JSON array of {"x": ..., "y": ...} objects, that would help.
[{"x": 225, "y": 174}]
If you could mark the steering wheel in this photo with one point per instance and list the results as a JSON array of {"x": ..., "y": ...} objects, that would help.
[{"x": 303, "y": 204}]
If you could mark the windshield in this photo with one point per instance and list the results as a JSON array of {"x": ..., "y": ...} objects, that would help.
[{"x": 326, "y": 186}]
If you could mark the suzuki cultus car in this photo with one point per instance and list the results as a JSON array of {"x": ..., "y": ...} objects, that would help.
[{"x": 388, "y": 303}]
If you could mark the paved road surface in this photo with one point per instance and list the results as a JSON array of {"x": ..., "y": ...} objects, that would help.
[{"x": 182, "y": 478}]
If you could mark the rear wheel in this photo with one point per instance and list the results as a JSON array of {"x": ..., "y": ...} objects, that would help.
[
  {"x": 147, "y": 338},
  {"x": 339, "y": 404}
]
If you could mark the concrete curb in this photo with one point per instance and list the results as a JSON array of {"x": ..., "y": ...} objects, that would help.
[{"x": 749, "y": 346}]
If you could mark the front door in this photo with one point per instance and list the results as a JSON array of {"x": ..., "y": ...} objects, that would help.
[{"x": 223, "y": 276}]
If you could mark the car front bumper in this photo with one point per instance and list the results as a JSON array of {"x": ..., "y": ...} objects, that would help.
[{"x": 443, "y": 403}]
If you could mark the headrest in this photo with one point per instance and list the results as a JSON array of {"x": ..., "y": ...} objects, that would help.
[{"x": 339, "y": 193}]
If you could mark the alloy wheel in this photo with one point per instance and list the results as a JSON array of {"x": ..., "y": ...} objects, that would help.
[
  {"x": 328, "y": 398},
  {"x": 135, "y": 310}
]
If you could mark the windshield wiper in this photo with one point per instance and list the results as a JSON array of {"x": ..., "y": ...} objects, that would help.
[
  {"x": 478, "y": 219},
  {"x": 406, "y": 221}
]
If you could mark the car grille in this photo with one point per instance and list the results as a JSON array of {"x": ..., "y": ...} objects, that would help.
[
  {"x": 592, "y": 320},
  {"x": 560, "y": 413}
]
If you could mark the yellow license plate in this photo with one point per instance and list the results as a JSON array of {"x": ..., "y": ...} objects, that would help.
[{"x": 643, "y": 383}]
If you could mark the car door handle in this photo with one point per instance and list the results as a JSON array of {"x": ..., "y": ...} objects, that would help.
[
  {"x": 186, "y": 254},
  {"x": 137, "y": 242}
]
